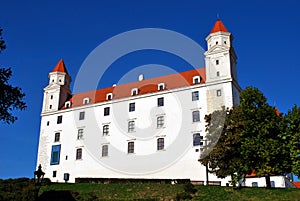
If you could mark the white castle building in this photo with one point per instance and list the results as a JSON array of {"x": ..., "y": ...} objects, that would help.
[{"x": 149, "y": 129}]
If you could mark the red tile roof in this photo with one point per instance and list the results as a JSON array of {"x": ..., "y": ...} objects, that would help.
[
  {"x": 60, "y": 67},
  {"x": 219, "y": 26},
  {"x": 297, "y": 184},
  {"x": 172, "y": 81}
]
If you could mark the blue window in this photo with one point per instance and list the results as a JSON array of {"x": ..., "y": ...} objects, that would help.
[
  {"x": 55, "y": 154},
  {"x": 197, "y": 139}
]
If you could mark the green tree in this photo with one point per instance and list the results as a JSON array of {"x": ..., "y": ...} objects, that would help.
[
  {"x": 11, "y": 97},
  {"x": 292, "y": 136}
]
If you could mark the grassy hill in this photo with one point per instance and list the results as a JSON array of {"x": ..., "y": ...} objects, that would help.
[{"x": 23, "y": 189}]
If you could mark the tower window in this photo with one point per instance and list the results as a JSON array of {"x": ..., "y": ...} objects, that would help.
[
  {"x": 59, "y": 119},
  {"x": 51, "y": 97},
  {"x": 197, "y": 139},
  {"x": 225, "y": 42},
  {"x": 78, "y": 154},
  {"x": 131, "y": 107},
  {"x": 55, "y": 155},
  {"x": 81, "y": 115},
  {"x": 160, "y": 102},
  {"x": 50, "y": 106},
  {"x": 160, "y": 143},
  {"x": 80, "y": 134},
  {"x": 219, "y": 92},
  {"x": 217, "y": 62},
  {"x": 56, "y": 137},
  {"x": 196, "y": 116},
  {"x": 105, "y": 130},
  {"x": 106, "y": 111},
  {"x": 195, "y": 95},
  {"x": 48, "y": 122},
  {"x": 218, "y": 74},
  {"x": 160, "y": 121},
  {"x": 130, "y": 148},
  {"x": 104, "y": 150},
  {"x": 217, "y": 42},
  {"x": 131, "y": 126},
  {"x": 54, "y": 174}
]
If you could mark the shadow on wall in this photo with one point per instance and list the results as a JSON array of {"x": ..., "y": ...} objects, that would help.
[{"x": 56, "y": 196}]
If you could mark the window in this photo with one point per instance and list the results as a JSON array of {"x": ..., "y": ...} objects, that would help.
[
  {"x": 161, "y": 86},
  {"x": 109, "y": 96},
  {"x": 196, "y": 116},
  {"x": 130, "y": 147},
  {"x": 67, "y": 104},
  {"x": 195, "y": 95},
  {"x": 106, "y": 111},
  {"x": 197, "y": 139},
  {"x": 225, "y": 42},
  {"x": 86, "y": 101},
  {"x": 54, "y": 174},
  {"x": 273, "y": 184},
  {"x": 217, "y": 42},
  {"x": 196, "y": 79},
  {"x": 80, "y": 134},
  {"x": 160, "y": 144},
  {"x": 56, "y": 137},
  {"x": 51, "y": 97},
  {"x": 217, "y": 62},
  {"x": 160, "y": 102},
  {"x": 50, "y": 107},
  {"x": 48, "y": 123},
  {"x": 218, "y": 73},
  {"x": 160, "y": 121},
  {"x": 81, "y": 115},
  {"x": 105, "y": 130},
  {"x": 104, "y": 150},
  {"x": 131, "y": 126},
  {"x": 254, "y": 184},
  {"x": 59, "y": 119},
  {"x": 55, "y": 154},
  {"x": 131, "y": 107},
  {"x": 219, "y": 92},
  {"x": 78, "y": 154},
  {"x": 134, "y": 91}
]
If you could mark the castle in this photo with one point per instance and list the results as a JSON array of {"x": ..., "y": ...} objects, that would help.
[{"x": 149, "y": 129}]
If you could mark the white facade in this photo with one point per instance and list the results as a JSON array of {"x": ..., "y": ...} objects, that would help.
[{"x": 146, "y": 134}]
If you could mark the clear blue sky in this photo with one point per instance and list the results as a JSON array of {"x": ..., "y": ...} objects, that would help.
[{"x": 39, "y": 33}]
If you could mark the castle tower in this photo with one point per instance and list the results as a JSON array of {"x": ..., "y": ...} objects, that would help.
[
  {"x": 58, "y": 89},
  {"x": 220, "y": 58}
]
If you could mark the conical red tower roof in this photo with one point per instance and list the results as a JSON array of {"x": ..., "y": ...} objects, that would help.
[
  {"x": 60, "y": 67},
  {"x": 219, "y": 26}
]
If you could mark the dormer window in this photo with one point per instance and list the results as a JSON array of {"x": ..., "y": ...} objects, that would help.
[
  {"x": 86, "y": 101},
  {"x": 161, "y": 86},
  {"x": 196, "y": 80},
  {"x": 134, "y": 91},
  {"x": 109, "y": 96},
  {"x": 67, "y": 104}
]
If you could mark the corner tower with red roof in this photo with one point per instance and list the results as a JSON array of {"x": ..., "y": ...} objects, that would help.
[{"x": 58, "y": 90}]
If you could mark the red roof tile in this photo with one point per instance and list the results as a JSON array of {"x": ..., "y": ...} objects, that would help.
[
  {"x": 60, "y": 67},
  {"x": 172, "y": 81},
  {"x": 297, "y": 184},
  {"x": 219, "y": 26}
]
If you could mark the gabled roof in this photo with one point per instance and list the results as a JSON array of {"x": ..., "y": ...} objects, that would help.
[
  {"x": 60, "y": 67},
  {"x": 147, "y": 86},
  {"x": 219, "y": 26}
]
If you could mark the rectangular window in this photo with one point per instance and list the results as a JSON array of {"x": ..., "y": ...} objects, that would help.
[
  {"x": 160, "y": 144},
  {"x": 81, "y": 115},
  {"x": 59, "y": 119},
  {"x": 55, "y": 155},
  {"x": 196, "y": 116},
  {"x": 195, "y": 95},
  {"x": 197, "y": 139},
  {"x": 104, "y": 150},
  {"x": 160, "y": 121},
  {"x": 254, "y": 184},
  {"x": 80, "y": 134},
  {"x": 106, "y": 111},
  {"x": 131, "y": 107},
  {"x": 78, "y": 154},
  {"x": 219, "y": 92},
  {"x": 131, "y": 126},
  {"x": 56, "y": 137},
  {"x": 105, "y": 130},
  {"x": 130, "y": 147},
  {"x": 160, "y": 102},
  {"x": 54, "y": 174}
]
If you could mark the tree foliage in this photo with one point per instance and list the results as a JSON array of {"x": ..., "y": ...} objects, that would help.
[
  {"x": 251, "y": 141},
  {"x": 11, "y": 97}
]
